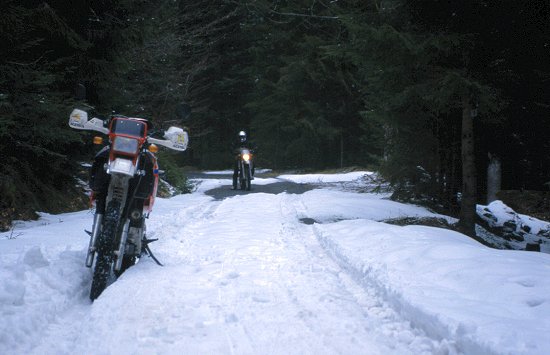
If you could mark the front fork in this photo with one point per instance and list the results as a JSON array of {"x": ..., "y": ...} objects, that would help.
[
  {"x": 118, "y": 188},
  {"x": 122, "y": 245},
  {"x": 96, "y": 229}
]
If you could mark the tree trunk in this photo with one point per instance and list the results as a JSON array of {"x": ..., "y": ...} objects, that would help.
[
  {"x": 341, "y": 150},
  {"x": 388, "y": 141},
  {"x": 468, "y": 202},
  {"x": 494, "y": 178}
]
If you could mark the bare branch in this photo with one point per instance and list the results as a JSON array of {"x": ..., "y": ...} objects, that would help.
[{"x": 304, "y": 15}]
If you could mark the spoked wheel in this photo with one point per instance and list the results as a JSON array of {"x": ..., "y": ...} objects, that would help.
[{"x": 104, "y": 260}]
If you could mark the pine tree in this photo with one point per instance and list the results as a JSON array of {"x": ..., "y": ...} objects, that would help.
[
  {"x": 49, "y": 47},
  {"x": 419, "y": 79},
  {"x": 214, "y": 53},
  {"x": 39, "y": 56},
  {"x": 305, "y": 92}
]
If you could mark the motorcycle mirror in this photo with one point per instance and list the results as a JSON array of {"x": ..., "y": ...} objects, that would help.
[{"x": 183, "y": 111}]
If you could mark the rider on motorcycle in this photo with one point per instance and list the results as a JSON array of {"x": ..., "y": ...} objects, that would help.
[{"x": 241, "y": 142}]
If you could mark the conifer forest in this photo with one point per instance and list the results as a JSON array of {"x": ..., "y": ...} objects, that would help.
[{"x": 428, "y": 93}]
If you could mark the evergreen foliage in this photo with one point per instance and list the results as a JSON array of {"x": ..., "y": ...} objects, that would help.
[
  {"x": 174, "y": 173},
  {"x": 214, "y": 55},
  {"x": 34, "y": 136},
  {"x": 306, "y": 107},
  {"x": 49, "y": 47},
  {"x": 315, "y": 84}
]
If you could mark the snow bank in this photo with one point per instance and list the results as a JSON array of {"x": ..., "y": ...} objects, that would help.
[
  {"x": 325, "y": 178},
  {"x": 488, "y": 300},
  {"x": 329, "y": 205},
  {"x": 243, "y": 275}
]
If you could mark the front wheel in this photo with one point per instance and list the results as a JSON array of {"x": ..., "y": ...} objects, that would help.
[
  {"x": 102, "y": 271},
  {"x": 243, "y": 184},
  {"x": 104, "y": 260},
  {"x": 242, "y": 177},
  {"x": 127, "y": 262},
  {"x": 247, "y": 180}
]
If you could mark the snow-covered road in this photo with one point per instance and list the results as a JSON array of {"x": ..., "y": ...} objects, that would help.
[{"x": 242, "y": 276}]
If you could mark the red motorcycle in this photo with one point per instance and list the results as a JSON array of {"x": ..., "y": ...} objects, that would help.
[{"x": 124, "y": 180}]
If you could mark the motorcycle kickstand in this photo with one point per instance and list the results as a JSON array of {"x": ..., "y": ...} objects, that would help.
[{"x": 148, "y": 251}]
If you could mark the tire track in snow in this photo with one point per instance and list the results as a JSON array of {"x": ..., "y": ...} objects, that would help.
[
  {"x": 382, "y": 316},
  {"x": 238, "y": 280},
  {"x": 455, "y": 340},
  {"x": 176, "y": 230},
  {"x": 270, "y": 296},
  {"x": 246, "y": 297},
  {"x": 69, "y": 330}
]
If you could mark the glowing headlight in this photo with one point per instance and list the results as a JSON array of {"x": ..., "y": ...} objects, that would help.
[
  {"x": 125, "y": 145},
  {"x": 122, "y": 166},
  {"x": 246, "y": 157}
]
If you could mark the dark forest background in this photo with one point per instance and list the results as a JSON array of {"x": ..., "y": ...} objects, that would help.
[{"x": 383, "y": 84}]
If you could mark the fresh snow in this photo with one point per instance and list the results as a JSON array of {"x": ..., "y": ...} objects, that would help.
[
  {"x": 245, "y": 275},
  {"x": 532, "y": 230},
  {"x": 321, "y": 178}
]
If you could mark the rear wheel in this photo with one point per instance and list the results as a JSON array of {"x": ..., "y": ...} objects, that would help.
[{"x": 104, "y": 260}]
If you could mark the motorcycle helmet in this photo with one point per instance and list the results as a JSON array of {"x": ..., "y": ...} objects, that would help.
[{"x": 242, "y": 136}]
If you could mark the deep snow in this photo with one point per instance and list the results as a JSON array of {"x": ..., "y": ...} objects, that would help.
[{"x": 246, "y": 276}]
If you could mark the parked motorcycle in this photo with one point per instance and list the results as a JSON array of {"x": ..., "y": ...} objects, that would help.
[
  {"x": 124, "y": 182},
  {"x": 245, "y": 169}
]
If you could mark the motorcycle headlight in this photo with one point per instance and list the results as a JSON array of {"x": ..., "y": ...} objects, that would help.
[
  {"x": 122, "y": 166},
  {"x": 246, "y": 157},
  {"x": 125, "y": 145}
]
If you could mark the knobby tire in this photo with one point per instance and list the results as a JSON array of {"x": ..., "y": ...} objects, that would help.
[
  {"x": 242, "y": 180},
  {"x": 127, "y": 261},
  {"x": 104, "y": 260},
  {"x": 247, "y": 179}
]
